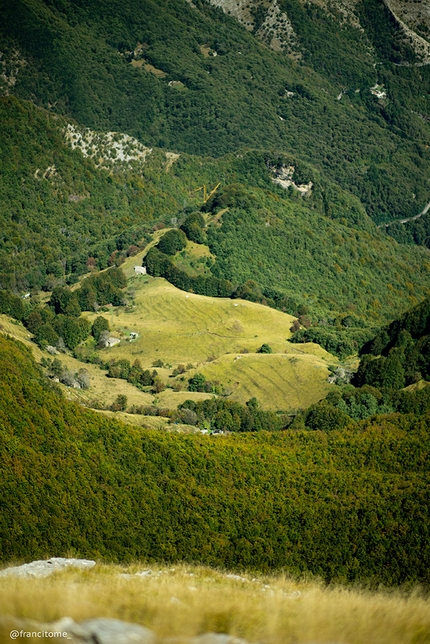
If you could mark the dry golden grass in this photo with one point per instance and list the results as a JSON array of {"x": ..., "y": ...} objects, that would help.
[
  {"x": 102, "y": 391},
  {"x": 146, "y": 422},
  {"x": 205, "y": 50},
  {"x": 198, "y": 250},
  {"x": 171, "y": 399},
  {"x": 180, "y": 327},
  {"x": 154, "y": 70},
  {"x": 185, "y": 600}
]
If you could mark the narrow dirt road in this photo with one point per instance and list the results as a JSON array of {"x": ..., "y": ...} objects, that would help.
[{"x": 403, "y": 221}]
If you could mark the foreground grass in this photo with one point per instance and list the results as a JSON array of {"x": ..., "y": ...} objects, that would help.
[{"x": 186, "y": 600}]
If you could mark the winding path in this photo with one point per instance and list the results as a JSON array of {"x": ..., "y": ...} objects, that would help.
[{"x": 404, "y": 221}]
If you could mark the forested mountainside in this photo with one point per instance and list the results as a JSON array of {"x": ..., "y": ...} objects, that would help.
[
  {"x": 399, "y": 354},
  {"x": 343, "y": 505},
  {"x": 258, "y": 157},
  {"x": 310, "y": 139},
  {"x": 190, "y": 78},
  {"x": 66, "y": 210}
]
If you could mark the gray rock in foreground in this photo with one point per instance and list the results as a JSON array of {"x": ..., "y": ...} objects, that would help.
[
  {"x": 206, "y": 638},
  {"x": 115, "y": 631},
  {"x": 217, "y": 638},
  {"x": 110, "y": 631},
  {"x": 91, "y": 631},
  {"x": 46, "y": 568}
]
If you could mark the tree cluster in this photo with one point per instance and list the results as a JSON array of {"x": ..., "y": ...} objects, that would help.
[
  {"x": 399, "y": 354},
  {"x": 160, "y": 265},
  {"x": 134, "y": 373}
]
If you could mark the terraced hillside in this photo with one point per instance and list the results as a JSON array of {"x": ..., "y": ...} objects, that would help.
[
  {"x": 289, "y": 380},
  {"x": 216, "y": 337}
]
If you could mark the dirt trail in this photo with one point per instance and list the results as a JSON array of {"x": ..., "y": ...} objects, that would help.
[{"x": 404, "y": 221}]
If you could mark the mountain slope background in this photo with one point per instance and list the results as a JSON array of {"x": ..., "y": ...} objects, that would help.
[
  {"x": 150, "y": 70},
  {"x": 309, "y": 125},
  {"x": 61, "y": 209}
]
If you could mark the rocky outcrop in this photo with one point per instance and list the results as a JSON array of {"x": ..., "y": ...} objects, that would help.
[
  {"x": 284, "y": 178},
  {"x": 46, "y": 568},
  {"x": 420, "y": 45},
  {"x": 111, "y": 631},
  {"x": 276, "y": 30},
  {"x": 107, "y": 149}
]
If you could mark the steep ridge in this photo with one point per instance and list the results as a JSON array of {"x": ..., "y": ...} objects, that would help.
[{"x": 270, "y": 22}]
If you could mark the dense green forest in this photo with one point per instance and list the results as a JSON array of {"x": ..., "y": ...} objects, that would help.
[
  {"x": 57, "y": 209},
  {"x": 344, "y": 505},
  {"x": 399, "y": 354},
  {"x": 392, "y": 376},
  {"x": 90, "y": 61},
  {"x": 318, "y": 258}
]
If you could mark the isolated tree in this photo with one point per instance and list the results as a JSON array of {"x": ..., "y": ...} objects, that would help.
[
  {"x": 120, "y": 403},
  {"x": 34, "y": 321},
  {"x": 197, "y": 382},
  {"x": 265, "y": 348},
  {"x": 100, "y": 324},
  {"x": 158, "y": 385},
  {"x": 172, "y": 242},
  {"x": 56, "y": 368}
]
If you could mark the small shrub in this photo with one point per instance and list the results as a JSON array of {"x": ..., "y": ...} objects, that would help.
[
  {"x": 265, "y": 348},
  {"x": 120, "y": 403}
]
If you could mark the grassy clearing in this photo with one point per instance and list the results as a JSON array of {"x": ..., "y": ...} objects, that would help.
[
  {"x": 198, "y": 250},
  {"x": 179, "y": 327},
  {"x": 192, "y": 259},
  {"x": 279, "y": 381},
  {"x": 149, "y": 422},
  {"x": 186, "y": 601},
  {"x": 171, "y": 399},
  {"x": 218, "y": 337},
  {"x": 102, "y": 391},
  {"x": 136, "y": 260}
]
